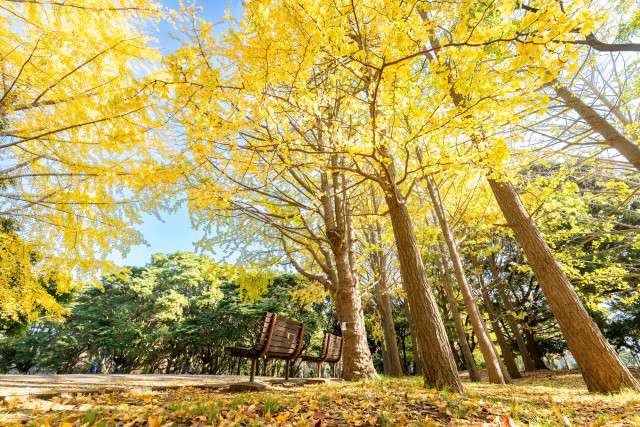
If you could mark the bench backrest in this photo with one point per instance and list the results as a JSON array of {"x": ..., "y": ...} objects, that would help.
[
  {"x": 335, "y": 349},
  {"x": 324, "y": 351},
  {"x": 266, "y": 332},
  {"x": 286, "y": 339}
]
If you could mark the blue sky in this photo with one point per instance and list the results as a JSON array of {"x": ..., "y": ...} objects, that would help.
[{"x": 175, "y": 232}]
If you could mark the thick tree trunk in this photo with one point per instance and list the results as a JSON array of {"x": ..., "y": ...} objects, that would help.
[
  {"x": 356, "y": 356},
  {"x": 507, "y": 356},
  {"x": 414, "y": 342},
  {"x": 513, "y": 324},
  {"x": 486, "y": 345},
  {"x": 437, "y": 360},
  {"x": 601, "y": 367},
  {"x": 470, "y": 361}
]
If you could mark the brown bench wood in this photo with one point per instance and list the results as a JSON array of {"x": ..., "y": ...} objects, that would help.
[
  {"x": 286, "y": 342},
  {"x": 280, "y": 338},
  {"x": 331, "y": 352}
]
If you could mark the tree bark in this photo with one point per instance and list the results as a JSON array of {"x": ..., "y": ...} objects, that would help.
[
  {"x": 356, "y": 356},
  {"x": 486, "y": 345},
  {"x": 437, "y": 360},
  {"x": 601, "y": 367},
  {"x": 507, "y": 356},
  {"x": 513, "y": 324},
  {"x": 470, "y": 361},
  {"x": 378, "y": 263},
  {"x": 532, "y": 346}
]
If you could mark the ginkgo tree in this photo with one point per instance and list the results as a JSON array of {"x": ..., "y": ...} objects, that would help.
[
  {"x": 79, "y": 143},
  {"x": 242, "y": 180}
]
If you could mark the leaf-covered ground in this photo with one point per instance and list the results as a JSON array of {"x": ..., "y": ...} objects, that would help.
[{"x": 544, "y": 398}]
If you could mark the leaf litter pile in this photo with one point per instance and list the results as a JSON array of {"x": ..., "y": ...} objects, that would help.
[{"x": 542, "y": 398}]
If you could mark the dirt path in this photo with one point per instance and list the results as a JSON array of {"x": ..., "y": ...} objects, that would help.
[{"x": 44, "y": 385}]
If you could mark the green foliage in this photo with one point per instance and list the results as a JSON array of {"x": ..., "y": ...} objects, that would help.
[{"x": 175, "y": 315}]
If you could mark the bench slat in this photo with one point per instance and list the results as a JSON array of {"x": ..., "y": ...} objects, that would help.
[
  {"x": 335, "y": 349},
  {"x": 283, "y": 329}
]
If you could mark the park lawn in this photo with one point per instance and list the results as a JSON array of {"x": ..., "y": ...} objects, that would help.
[{"x": 542, "y": 398}]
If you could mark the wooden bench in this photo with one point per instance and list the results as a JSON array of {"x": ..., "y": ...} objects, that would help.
[
  {"x": 331, "y": 352},
  {"x": 335, "y": 352},
  {"x": 280, "y": 338},
  {"x": 324, "y": 353}
]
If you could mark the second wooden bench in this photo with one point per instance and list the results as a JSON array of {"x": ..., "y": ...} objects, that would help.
[
  {"x": 279, "y": 338},
  {"x": 331, "y": 352}
]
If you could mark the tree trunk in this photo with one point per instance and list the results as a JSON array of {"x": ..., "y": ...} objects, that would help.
[
  {"x": 414, "y": 342},
  {"x": 356, "y": 356},
  {"x": 438, "y": 364},
  {"x": 390, "y": 344},
  {"x": 437, "y": 360},
  {"x": 486, "y": 345},
  {"x": 612, "y": 136},
  {"x": 513, "y": 324},
  {"x": 507, "y": 356},
  {"x": 601, "y": 367},
  {"x": 384, "y": 354},
  {"x": 503, "y": 368},
  {"x": 460, "y": 362},
  {"x": 470, "y": 361},
  {"x": 538, "y": 362}
]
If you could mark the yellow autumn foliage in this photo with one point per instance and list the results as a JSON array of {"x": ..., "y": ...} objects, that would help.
[{"x": 79, "y": 142}]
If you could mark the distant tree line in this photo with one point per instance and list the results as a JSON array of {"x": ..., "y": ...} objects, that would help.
[
  {"x": 168, "y": 317},
  {"x": 172, "y": 316}
]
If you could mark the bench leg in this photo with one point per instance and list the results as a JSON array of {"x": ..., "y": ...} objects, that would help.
[
  {"x": 253, "y": 369},
  {"x": 319, "y": 370},
  {"x": 286, "y": 371}
]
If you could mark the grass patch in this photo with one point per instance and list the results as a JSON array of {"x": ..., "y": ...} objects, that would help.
[
  {"x": 271, "y": 406},
  {"x": 237, "y": 401}
]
